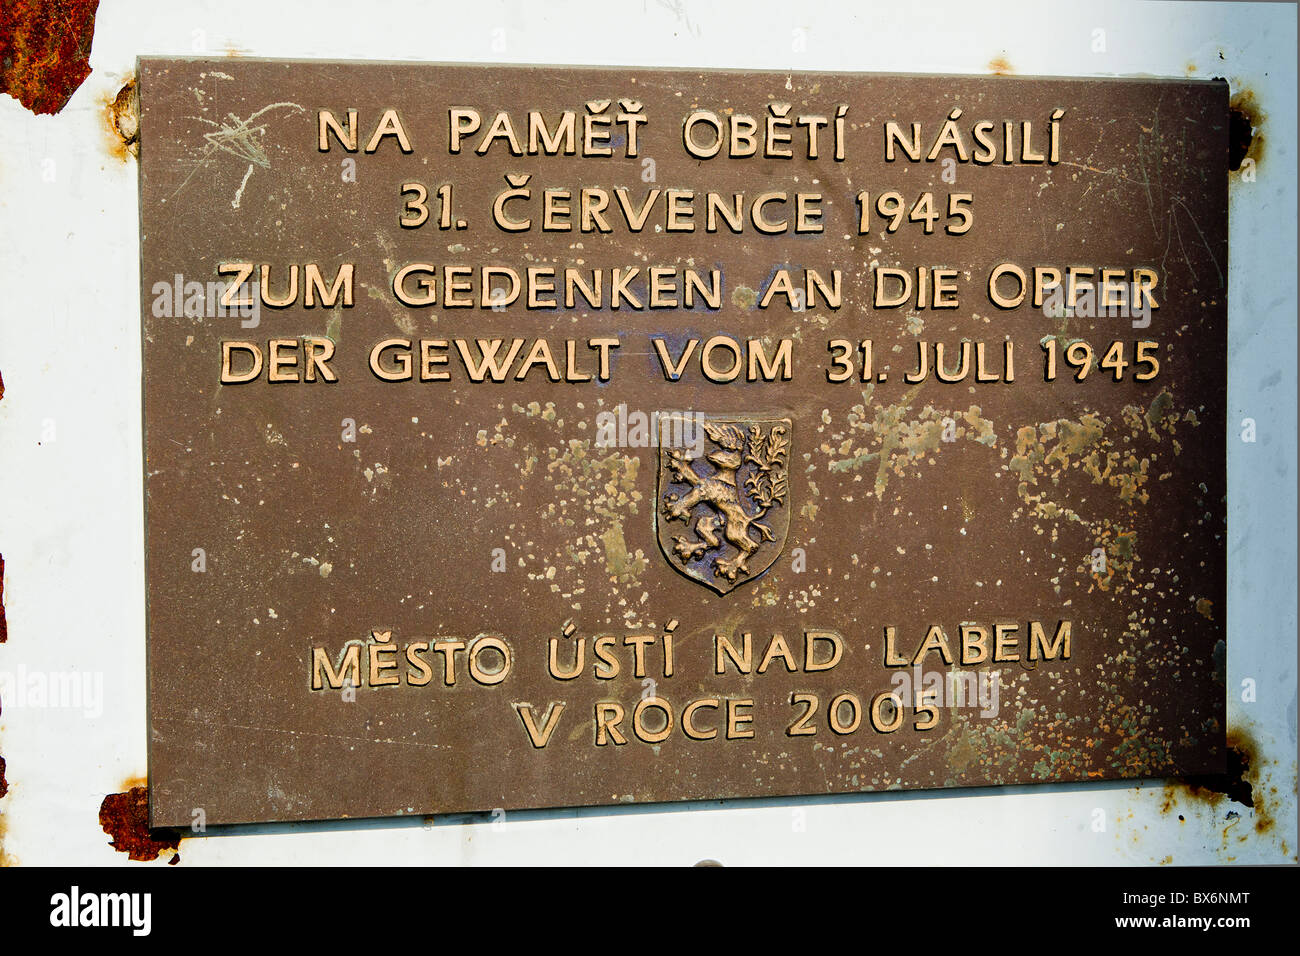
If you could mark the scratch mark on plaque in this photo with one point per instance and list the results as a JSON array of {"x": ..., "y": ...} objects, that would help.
[
  {"x": 237, "y": 137},
  {"x": 299, "y": 733},
  {"x": 1151, "y": 147},
  {"x": 1176, "y": 204},
  {"x": 239, "y": 193}
]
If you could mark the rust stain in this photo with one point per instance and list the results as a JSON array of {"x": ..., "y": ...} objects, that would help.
[
  {"x": 1000, "y": 66},
  {"x": 1213, "y": 789},
  {"x": 122, "y": 112},
  {"x": 45, "y": 50},
  {"x": 4, "y": 784},
  {"x": 1245, "y": 139},
  {"x": 4, "y": 628},
  {"x": 6, "y": 859},
  {"x": 1241, "y": 784},
  {"x": 125, "y": 817}
]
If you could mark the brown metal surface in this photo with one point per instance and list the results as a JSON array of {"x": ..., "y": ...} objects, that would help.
[{"x": 291, "y": 519}]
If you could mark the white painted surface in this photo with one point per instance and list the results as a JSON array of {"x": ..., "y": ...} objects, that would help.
[{"x": 71, "y": 507}]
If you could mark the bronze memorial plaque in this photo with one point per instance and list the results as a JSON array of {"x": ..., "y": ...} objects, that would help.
[{"x": 526, "y": 437}]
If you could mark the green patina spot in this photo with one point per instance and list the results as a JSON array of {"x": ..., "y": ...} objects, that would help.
[{"x": 743, "y": 297}]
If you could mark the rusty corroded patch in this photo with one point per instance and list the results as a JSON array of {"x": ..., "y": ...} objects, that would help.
[
  {"x": 122, "y": 113},
  {"x": 4, "y": 784},
  {"x": 1244, "y": 784},
  {"x": 44, "y": 50},
  {"x": 1245, "y": 119},
  {"x": 1234, "y": 784},
  {"x": 4, "y": 627},
  {"x": 125, "y": 818}
]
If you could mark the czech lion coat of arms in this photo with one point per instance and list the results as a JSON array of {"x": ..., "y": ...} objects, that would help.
[{"x": 723, "y": 511}]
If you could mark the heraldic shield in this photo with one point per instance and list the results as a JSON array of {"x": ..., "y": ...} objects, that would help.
[{"x": 723, "y": 511}]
